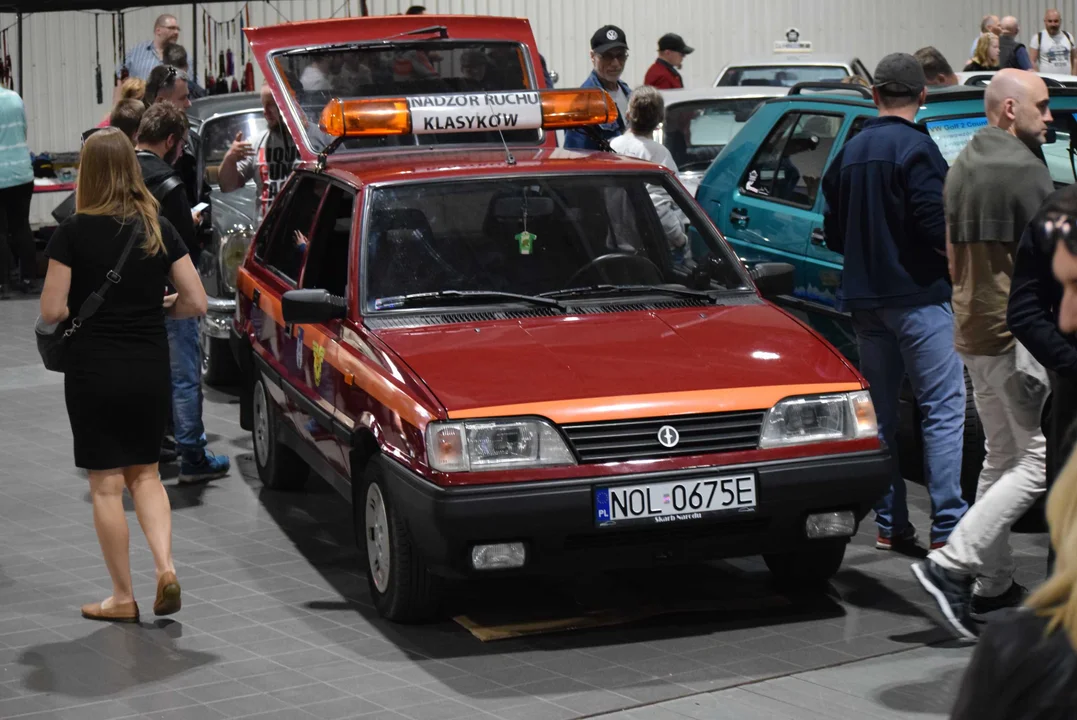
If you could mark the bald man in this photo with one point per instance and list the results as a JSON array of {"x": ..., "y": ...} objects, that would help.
[
  {"x": 994, "y": 188},
  {"x": 269, "y": 161},
  {"x": 1011, "y": 53},
  {"x": 1051, "y": 49}
]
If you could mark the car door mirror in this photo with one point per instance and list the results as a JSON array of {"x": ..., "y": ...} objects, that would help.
[
  {"x": 301, "y": 307},
  {"x": 773, "y": 279}
]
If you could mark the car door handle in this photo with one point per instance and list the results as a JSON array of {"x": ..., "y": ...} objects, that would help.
[
  {"x": 818, "y": 237},
  {"x": 739, "y": 217}
]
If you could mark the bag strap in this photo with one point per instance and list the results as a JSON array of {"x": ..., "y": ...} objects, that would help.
[
  {"x": 93, "y": 301},
  {"x": 166, "y": 186}
]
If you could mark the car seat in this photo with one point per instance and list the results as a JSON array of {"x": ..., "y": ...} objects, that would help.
[{"x": 402, "y": 259}]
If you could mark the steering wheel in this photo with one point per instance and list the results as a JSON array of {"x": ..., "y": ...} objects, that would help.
[{"x": 611, "y": 258}]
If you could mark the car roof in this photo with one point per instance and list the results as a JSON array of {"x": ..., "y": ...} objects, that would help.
[
  {"x": 205, "y": 108},
  {"x": 673, "y": 97},
  {"x": 938, "y": 98},
  {"x": 793, "y": 59},
  {"x": 426, "y": 164}
]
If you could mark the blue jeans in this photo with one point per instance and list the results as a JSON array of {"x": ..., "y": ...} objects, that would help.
[
  {"x": 918, "y": 341},
  {"x": 185, "y": 355}
]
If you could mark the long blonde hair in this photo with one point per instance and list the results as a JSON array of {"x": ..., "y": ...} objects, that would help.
[
  {"x": 983, "y": 51},
  {"x": 1056, "y": 599},
  {"x": 110, "y": 184}
]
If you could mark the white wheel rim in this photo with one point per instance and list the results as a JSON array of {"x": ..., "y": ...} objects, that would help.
[
  {"x": 261, "y": 425},
  {"x": 377, "y": 537}
]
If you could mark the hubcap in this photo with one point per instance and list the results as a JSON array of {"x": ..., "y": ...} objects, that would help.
[
  {"x": 261, "y": 424},
  {"x": 377, "y": 537}
]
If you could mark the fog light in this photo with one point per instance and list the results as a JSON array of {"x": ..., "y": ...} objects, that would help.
[
  {"x": 831, "y": 524},
  {"x": 499, "y": 556}
]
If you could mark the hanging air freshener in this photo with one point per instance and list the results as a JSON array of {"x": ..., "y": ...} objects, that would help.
[
  {"x": 525, "y": 239},
  {"x": 97, "y": 50}
]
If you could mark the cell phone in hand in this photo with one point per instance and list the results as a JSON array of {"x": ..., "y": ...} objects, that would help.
[{"x": 199, "y": 207}]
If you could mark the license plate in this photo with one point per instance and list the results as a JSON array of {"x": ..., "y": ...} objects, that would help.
[{"x": 674, "y": 501}]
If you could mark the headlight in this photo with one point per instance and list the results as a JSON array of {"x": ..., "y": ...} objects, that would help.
[
  {"x": 820, "y": 418},
  {"x": 233, "y": 249},
  {"x": 478, "y": 445}
]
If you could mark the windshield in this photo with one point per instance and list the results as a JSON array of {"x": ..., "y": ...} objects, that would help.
[
  {"x": 781, "y": 75},
  {"x": 695, "y": 132},
  {"x": 953, "y": 134},
  {"x": 406, "y": 68},
  {"x": 538, "y": 235}
]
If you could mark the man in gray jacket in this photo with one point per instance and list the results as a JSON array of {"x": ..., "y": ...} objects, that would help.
[{"x": 994, "y": 188}]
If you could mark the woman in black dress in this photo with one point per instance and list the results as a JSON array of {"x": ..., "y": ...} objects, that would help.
[{"x": 117, "y": 382}]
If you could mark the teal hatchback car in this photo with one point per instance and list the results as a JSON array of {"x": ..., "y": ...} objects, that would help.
[{"x": 763, "y": 193}]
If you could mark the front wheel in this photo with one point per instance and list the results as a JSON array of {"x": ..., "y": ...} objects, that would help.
[
  {"x": 218, "y": 365},
  {"x": 402, "y": 588},
  {"x": 808, "y": 568}
]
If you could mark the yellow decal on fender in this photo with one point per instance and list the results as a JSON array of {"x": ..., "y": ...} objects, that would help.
[{"x": 319, "y": 355}]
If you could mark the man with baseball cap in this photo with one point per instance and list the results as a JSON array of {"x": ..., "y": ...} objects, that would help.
[
  {"x": 609, "y": 52},
  {"x": 884, "y": 213},
  {"x": 663, "y": 74}
]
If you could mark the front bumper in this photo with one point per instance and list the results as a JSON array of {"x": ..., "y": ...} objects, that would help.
[
  {"x": 217, "y": 322},
  {"x": 556, "y": 520}
]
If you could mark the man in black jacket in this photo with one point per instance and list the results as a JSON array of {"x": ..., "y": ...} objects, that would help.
[
  {"x": 161, "y": 137},
  {"x": 1032, "y": 315}
]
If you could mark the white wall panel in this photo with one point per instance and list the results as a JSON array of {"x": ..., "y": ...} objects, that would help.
[{"x": 59, "y": 57}]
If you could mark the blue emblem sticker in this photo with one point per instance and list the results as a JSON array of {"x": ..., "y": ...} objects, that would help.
[{"x": 602, "y": 506}]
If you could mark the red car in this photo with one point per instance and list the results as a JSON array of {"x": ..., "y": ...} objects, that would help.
[{"x": 513, "y": 358}]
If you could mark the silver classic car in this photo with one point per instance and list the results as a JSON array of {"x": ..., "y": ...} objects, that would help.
[{"x": 214, "y": 124}]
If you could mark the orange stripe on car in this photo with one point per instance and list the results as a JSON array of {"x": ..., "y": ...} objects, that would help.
[
  {"x": 628, "y": 407},
  {"x": 355, "y": 371}
]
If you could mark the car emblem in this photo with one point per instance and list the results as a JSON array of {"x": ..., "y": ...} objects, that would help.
[
  {"x": 611, "y": 34},
  {"x": 668, "y": 436}
]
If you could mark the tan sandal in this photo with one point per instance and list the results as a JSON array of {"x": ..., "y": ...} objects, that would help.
[
  {"x": 122, "y": 612},
  {"x": 168, "y": 595}
]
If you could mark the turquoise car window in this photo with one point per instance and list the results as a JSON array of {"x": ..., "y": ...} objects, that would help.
[
  {"x": 763, "y": 169},
  {"x": 952, "y": 134},
  {"x": 795, "y": 175}
]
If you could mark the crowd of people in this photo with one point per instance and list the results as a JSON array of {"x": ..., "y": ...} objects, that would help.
[{"x": 947, "y": 270}]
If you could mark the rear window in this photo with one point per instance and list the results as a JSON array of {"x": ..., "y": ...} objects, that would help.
[
  {"x": 953, "y": 134},
  {"x": 695, "y": 132},
  {"x": 315, "y": 76},
  {"x": 781, "y": 75}
]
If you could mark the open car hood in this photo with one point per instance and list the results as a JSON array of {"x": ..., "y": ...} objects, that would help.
[{"x": 374, "y": 31}]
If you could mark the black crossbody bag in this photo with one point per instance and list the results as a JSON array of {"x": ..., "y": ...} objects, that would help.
[{"x": 53, "y": 340}]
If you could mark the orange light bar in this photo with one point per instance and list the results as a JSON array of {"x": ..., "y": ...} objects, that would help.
[
  {"x": 573, "y": 108},
  {"x": 366, "y": 117}
]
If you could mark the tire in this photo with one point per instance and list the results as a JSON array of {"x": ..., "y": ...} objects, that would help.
[
  {"x": 279, "y": 467},
  {"x": 808, "y": 568},
  {"x": 218, "y": 365},
  {"x": 401, "y": 587}
]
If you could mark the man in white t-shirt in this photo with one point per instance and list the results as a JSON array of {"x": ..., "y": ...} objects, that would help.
[
  {"x": 646, "y": 110},
  {"x": 1051, "y": 49}
]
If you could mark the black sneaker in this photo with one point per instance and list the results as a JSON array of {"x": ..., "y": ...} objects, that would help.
[
  {"x": 1013, "y": 597},
  {"x": 953, "y": 594}
]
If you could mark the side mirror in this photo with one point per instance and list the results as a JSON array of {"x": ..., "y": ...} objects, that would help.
[
  {"x": 773, "y": 279},
  {"x": 301, "y": 307}
]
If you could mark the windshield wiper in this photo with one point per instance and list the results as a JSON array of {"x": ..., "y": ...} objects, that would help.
[
  {"x": 399, "y": 301},
  {"x": 627, "y": 289}
]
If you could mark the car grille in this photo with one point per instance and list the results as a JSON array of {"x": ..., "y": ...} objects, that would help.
[{"x": 635, "y": 439}]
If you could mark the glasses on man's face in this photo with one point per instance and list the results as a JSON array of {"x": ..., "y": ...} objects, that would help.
[
  {"x": 171, "y": 27},
  {"x": 614, "y": 56}
]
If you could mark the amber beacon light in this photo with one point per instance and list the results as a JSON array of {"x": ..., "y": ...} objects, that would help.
[
  {"x": 574, "y": 108},
  {"x": 366, "y": 117}
]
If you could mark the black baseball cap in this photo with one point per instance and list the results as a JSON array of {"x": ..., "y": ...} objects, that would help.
[
  {"x": 674, "y": 42},
  {"x": 608, "y": 37},
  {"x": 899, "y": 74}
]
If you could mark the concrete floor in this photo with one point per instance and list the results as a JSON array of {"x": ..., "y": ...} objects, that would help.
[{"x": 277, "y": 621}]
